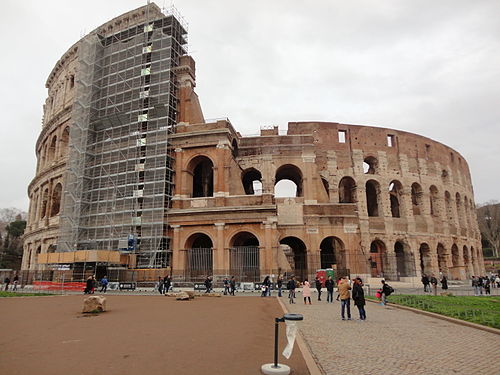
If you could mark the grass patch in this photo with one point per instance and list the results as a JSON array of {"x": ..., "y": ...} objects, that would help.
[
  {"x": 20, "y": 294},
  {"x": 480, "y": 310}
]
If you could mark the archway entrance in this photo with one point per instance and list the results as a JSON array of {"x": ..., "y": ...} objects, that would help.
[
  {"x": 377, "y": 257},
  {"x": 405, "y": 265},
  {"x": 199, "y": 257},
  {"x": 244, "y": 258},
  {"x": 332, "y": 254},
  {"x": 442, "y": 260},
  {"x": 296, "y": 254},
  {"x": 425, "y": 259}
]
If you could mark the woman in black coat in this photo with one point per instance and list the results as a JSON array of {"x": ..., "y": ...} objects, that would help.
[
  {"x": 358, "y": 296},
  {"x": 444, "y": 283}
]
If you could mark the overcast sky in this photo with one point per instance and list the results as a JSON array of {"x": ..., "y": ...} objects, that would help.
[{"x": 428, "y": 67}]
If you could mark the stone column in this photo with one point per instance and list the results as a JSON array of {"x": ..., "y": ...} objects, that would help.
[
  {"x": 178, "y": 255},
  {"x": 221, "y": 255}
]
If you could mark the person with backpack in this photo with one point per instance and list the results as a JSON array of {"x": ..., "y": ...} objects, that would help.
[
  {"x": 426, "y": 282},
  {"x": 104, "y": 284},
  {"x": 434, "y": 283},
  {"x": 387, "y": 290},
  {"x": 291, "y": 289},
  {"x": 317, "y": 284},
  {"x": 329, "y": 284},
  {"x": 358, "y": 296}
]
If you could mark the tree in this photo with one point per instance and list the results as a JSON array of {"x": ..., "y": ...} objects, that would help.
[{"x": 488, "y": 217}]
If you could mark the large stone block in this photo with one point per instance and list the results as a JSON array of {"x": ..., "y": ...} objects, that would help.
[{"x": 94, "y": 304}]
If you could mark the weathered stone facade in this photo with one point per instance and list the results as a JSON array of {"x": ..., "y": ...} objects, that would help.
[{"x": 369, "y": 201}]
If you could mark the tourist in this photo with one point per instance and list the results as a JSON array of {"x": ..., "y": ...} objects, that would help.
[
  {"x": 232, "y": 286},
  {"x": 94, "y": 282},
  {"x": 497, "y": 280},
  {"x": 387, "y": 290},
  {"x": 6, "y": 282},
  {"x": 104, "y": 284},
  {"x": 426, "y": 282},
  {"x": 167, "y": 283},
  {"x": 291, "y": 285},
  {"x": 492, "y": 280},
  {"x": 318, "y": 287},
  {"x": 480, "y": 283},
  {"x": 444, "y": 283},
  {"x": 89, "y": 284},
  {"x": 16, "y": 281},
  {"x": 160, "y": 285},
  {"x": 434, "y": 284},
  {"x": 306, "y": 291},
  {"x": 486, "y": 285},
  {"x": 266, "y": 284},
  {"x": 329, "y": 284},
  {"x": 279, "y": 284},
  {"x": 345, "y": 298},
  {"x": 226, "y": 285},
  {"x": 208, "y": 284},
  {"x": 475, "y": 285},
  {"x": 358, "y": 296}
]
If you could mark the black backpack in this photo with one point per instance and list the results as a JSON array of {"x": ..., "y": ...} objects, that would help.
[{"x": 390, "y": 290}]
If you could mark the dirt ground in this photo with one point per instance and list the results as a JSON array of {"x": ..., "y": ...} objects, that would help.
[{"x": 140, "y": 335}]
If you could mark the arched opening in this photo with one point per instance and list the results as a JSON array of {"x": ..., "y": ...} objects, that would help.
[
  {"x": 64, "y": 142},
  {"x": 404, "y": 261},
  {"x": 372, "y": 197},
  {"x": 370, "y": 165},
  {"x": 51, "y": 152},
  {"x": 199, "y": 257},
  {"x": 288, "y": 182},
  {"x": 332, "y": 252},
  {"x": 52, "y": 248},
  {"x": 252, "y": 181},
  {"x": 449, "y": 209},
  {"x": 455, "y": 256},
  {"x": 395, "y": 192},
  {"x": 202, "y": 170},
  {"x": 45, "y": 202},
  {"x": 460, "y": 214},
  {"x": 56, "y": 200},
  {"x": 326, "y": 185},
  {"x": 244, "y": 257},
  {"x": 425, "y": 259},
  {"x": 35, "y": 209},
  {"x": 377, "y": 258},
  {"x": 234, "y": 148},
  {"x": 347, "y": 190},
  {"x": 442, "y": 259},
  {"x": 467, "y": 212},
  {"x": 416, "y": 198},
  {"x": 296, "y": 254},
  {"x": 433, "y": 200}
]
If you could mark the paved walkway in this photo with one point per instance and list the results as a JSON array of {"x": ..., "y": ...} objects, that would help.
[{"x": 393, "y": 341}]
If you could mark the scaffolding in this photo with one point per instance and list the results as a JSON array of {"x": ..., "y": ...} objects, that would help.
[{"x": 119, "y": 181}]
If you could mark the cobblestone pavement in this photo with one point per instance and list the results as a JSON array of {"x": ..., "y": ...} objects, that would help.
[{"x": 393, "y": 341}]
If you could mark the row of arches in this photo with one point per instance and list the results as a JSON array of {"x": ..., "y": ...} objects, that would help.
[
  {"x": 54, "y": 147},
  {"x": 46, "y": 203}
]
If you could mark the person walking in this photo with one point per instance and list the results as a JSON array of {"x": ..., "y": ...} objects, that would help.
[
  {"x": 167, "y": 283},
  {"x": 6, "y": 282},
  {"x": 486, "y": 284},
  {"x": 434, "y": 284},
  {"x": 497, "y": 280},
  {"x": 279, "y": 283},
  {"x": 475, "y": 285},
  {"x": 387, "y": 290},
  {"x": 318, "y": 285},
  {"x": 89, "y": 284},
  {"x": 226, "y": 286},
  {"x": 306, "y": 291},
  {"x": 480, "y": 283},
  {"x": 16, "y": 281},
  {"x": 266, "y": 285},
  {"x": 358, "y": 296},
  {"x": 444, "y": 283},
  {"x": 345, "y": 298},
  {"x": 426, "y": 282},
  {"x": 208, "y": 284},
  {"x": 160, "y": 285},
  {"x": 291, "y": 285},
  {"x": 232, "y": 286},
  {"x": 329, "y": 284},
  {"x": 104, "y": 284}
]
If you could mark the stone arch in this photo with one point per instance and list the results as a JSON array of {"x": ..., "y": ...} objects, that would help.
[
  {"x": 55, "y": 200},
  {"x": 332, "y": 251},
  {"x": 449, "y": 208},
  {"x": 455, "y": 261},
  {"x": 199, "y": 257},
  {"x": 251, "y": 179},
  {"x": 326, "y": 185},
  {"x": 373, "y": 198},
  {"x": 244, "y": 257},
  {"x": 425, "y": 259},
  {"x": 201, "y": 170},
  {"x": 370, "y": 165},
  {"x": 64, "y": 142},
  {"x": 443, "y": 256},
  {"x": 52, "y": 248},
  {"x": 416, "y": 198},
  {"x": 45, "y": 203},
  {"x": 347, "y": 190},
  {"x": 296, "y": 253},
  {"x": 434, "y": 200},
  {"x": 395, "y": 193},
  {"x": 378, "y": 254},
  {"x": 51, "y": 151},
  {"x": 290, "y": 175},
  {"x": 404, "y": 260}
]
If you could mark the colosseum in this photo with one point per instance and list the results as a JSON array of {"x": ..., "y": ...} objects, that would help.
[{"x": 133, "y": 182}]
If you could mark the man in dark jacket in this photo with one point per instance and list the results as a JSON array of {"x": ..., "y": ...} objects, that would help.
[
  {"x": 329, "y": 284},
  {"x": 386, "y": 291},
  {"x": 318, "y": 285},
  {"x": 434, "y": 283},
  {"x": 291, "y": 289},
  {"x": 208, "y": 284},
  {"x": 358, "y": 296},
  {"x": 232, "y": 284},
  {"x": 425, "y": 281},
  {"x": 167, "y": 283}
]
